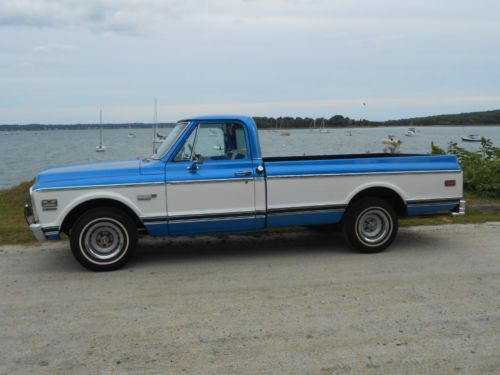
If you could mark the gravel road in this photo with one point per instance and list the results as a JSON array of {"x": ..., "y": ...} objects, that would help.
[{"x": 294, "y": 303}]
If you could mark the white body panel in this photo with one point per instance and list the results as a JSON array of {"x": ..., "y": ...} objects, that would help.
[
  {"x": 196, "y": 198},
  {"x": 305, "y": 191},
  {"x": 70, "y": 198}
]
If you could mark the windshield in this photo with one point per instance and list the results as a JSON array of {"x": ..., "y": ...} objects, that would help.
[{"x": 170, "y": 140}]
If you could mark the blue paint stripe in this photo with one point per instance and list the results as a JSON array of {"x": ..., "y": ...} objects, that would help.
[
  {"x": 305, "y": 218},
  {"x": 157, "y": 229},
  {"x": 426, "y": 209},
  {"x": 181, "y": 228},
  {"x": 53, "y": 237}
]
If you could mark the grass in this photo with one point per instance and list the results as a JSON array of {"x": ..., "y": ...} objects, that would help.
[
  {"x": 14, "y": 230},
  {"x": 13, "y": 227},
  {"x": 473, "y": 198},
  {"x": 470, "y": 217}
]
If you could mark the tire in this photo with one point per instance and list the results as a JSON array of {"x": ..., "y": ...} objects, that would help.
[
  {"x": 370, "y": 225},
  {"x": 103, "y": 239}
]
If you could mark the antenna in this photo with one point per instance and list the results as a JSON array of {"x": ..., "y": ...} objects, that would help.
[{"x": 100, "y": 122}]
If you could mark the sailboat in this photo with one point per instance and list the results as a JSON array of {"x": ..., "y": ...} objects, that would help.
[
  {"x": 157, "y": 138},
  {"x": 323, "y": 129},
  {"x": 284, "y": 133},
  {"x": 100, "y": 147},
  {"x": 314, "y": 129}
]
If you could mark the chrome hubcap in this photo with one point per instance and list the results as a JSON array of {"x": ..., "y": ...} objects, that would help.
[
  {"x": 104, "y": 240},
  {"x": 373, "y": 226}
]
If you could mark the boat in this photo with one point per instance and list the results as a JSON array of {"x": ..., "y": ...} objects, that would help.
[
  {"x": 131, "y": 135},
  {"x": 100, "y": 147},
  {"x": 276, "y": 127},
  {"x": 283, "y": 126},
  {"x": 390, "y": 140},
  {"x": 393, "y": 144},
  {"x": 157, "y": 138},
  {"x": 322, "y": 129},
  {"x": 314, "y": 129},
  {"x": 471, "y": 138},
  {"x": 411, "y": 132}
]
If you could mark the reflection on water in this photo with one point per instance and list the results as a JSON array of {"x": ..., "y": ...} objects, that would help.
[{"x": 23, "y": 154}]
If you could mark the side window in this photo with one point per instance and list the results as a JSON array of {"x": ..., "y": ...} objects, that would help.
[
  {"x": 185, "y": 152},
  {"x": 221, "y": 142}
]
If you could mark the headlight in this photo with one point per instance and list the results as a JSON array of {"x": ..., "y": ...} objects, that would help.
[{"x": 28, "y": 213}]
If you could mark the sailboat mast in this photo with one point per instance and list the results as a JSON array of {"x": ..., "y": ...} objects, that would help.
[
  {"x": 155, "y": 120},
  {"x": 100, "y": 128}
]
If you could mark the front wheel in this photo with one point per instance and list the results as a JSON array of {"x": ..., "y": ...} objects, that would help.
[
  {"x": 370, "y": 225},
  {"x": 103, "y": 239}
]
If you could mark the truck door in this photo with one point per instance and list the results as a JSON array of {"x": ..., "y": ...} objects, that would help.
[{"x": 211, "y": 182}]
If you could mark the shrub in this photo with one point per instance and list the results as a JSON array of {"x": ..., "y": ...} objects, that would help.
[{"x": 481, "y": 168}]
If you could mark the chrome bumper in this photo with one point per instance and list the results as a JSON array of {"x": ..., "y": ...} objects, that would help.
[
  {"x": 461, "y": 208},
  {"x": 37, "y": 231}
]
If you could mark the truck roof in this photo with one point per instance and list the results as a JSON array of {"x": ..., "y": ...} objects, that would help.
[{"x": 221, "y": 117}]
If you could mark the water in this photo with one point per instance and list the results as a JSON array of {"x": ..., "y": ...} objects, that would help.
[{"x": 25, "y": 153}]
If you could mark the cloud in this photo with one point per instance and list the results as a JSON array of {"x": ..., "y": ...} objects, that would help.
[
  {"x": 48, "y": 48},
  {"x": 125, "y": 16},
  {"x": 146, "y": 17}
]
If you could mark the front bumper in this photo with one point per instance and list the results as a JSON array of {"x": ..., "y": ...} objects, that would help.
[
  {"x": 460, "y": 209},
  {"x": 45, "y": 233},
  {"x": 38, "y": 232}
]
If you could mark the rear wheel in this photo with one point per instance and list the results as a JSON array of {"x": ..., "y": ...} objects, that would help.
[
  {"x": 103, "y": 239},
  {"x": 370, "y": 225}
]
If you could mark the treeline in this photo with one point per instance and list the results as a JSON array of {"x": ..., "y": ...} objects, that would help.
[
  {"x": 471, "y": 118},
  {"x": 309, "y": 122}
]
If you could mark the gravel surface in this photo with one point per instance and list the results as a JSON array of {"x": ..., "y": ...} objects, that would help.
[{"x": 292, "y": 303}]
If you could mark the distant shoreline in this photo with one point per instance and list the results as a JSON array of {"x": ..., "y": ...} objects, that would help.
[
  {"x": 484, "y": 118},
  {"x": 30, "y": 128}
]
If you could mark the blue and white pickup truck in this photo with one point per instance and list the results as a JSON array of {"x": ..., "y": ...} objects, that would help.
[{"x": 209, "y": 176}]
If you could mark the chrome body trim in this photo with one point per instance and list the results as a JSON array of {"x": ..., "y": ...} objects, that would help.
[
  {"x": 101, "y": 186},
  {"x": 37, "y": 231},
  {"x": 360, "y": 174},
  {"x": 181, "y": 182}
]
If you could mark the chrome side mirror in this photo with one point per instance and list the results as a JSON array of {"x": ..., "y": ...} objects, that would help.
[{"x": 197, "y": 160}]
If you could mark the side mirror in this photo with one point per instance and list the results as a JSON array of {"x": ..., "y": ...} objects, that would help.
[{"x": 197, "y": 160}]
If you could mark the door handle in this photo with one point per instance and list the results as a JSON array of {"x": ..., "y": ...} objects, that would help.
[{"x": 243, "y": 173}]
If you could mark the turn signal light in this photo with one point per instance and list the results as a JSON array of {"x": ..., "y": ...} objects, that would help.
[{"x": 449, "y": 183}]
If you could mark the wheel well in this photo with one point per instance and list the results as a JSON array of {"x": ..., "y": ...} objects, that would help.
[
  {"x": 79, "y": 210},
  {"x": 388, "y": 194}
]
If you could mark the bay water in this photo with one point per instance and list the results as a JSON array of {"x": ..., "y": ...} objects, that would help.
[{"x": 25, "y": 153}]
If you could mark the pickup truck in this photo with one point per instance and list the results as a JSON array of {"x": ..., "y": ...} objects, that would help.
[{"x": 209, "y": 176}]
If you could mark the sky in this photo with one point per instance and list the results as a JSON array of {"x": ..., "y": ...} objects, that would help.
[{"x": 63, "y": 60}]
